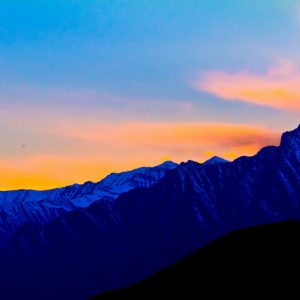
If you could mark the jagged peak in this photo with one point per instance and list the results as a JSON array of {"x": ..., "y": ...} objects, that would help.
[
  {"x": 291, "y": 138},
  {"x": 215, "y": 160},
  {"x": 168, "y": 165}
]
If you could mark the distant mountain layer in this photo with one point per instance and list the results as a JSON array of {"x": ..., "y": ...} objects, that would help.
[
  {"x": 41, "y": 207},
  {"x": 111, "y": 244},
  {"x": 248, "y": 261}
]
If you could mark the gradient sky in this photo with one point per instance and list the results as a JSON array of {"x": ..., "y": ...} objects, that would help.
[{"x": 91, "y": 87}]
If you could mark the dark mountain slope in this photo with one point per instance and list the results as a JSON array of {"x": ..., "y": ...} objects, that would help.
[{"x": 263, "y": 259}]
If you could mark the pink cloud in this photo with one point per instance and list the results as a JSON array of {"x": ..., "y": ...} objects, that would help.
[{"x": 279, "y": 87}]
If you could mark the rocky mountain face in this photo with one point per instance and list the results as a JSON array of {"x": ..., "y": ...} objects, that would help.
[
  {"x": 41, "y": 207},
  {"x": 110, "y": 244}
]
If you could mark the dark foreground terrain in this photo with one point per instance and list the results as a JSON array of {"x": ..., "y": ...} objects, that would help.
[{"x": 263, "y": 259}]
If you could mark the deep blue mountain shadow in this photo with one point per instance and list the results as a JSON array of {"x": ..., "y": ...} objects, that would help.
[
  {"x": 262, "y": 260},
  {"x": 111, "y": 244}
]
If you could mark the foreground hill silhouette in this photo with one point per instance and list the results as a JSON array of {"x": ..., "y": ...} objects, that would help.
[
  {"x": 263, "y": 259},
  {"x": 115, "y": 242}
]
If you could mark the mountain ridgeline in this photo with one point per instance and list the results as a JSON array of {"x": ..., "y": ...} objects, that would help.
[
  {"x": 111, "y": 242},
  {"x": 41, "y": 207}
]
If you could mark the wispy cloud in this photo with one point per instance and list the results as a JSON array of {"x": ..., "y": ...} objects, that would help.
[
  {"x": 173, "y": 135},
  {"x": 45, "y": 146},
  {"x": 279, "y": 87},
  {"x": 92, "y": 149}
]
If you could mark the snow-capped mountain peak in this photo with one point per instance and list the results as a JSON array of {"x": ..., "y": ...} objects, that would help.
[{"x": 215, "y": 160}]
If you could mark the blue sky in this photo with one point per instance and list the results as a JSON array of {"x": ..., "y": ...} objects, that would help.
[{"x": 125, "y": 61}]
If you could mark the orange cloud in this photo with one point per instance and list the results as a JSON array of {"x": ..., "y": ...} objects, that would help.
[
  {"x": 177, "y": 140},
  {"x": 98, "y": 148},
  {"x": 278, "y": 88},
  {"x": 64, "y": 149}
]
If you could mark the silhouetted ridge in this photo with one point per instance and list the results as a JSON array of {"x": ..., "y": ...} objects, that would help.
[{"x": 256, "y": 260}]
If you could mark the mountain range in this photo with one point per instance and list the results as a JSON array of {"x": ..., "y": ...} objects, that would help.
[
  {"x": 41, "y": 207},
  {"x": 78, "y": 241}
]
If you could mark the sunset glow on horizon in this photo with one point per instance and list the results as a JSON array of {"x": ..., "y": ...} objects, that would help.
[
  {"x": 107, "y": 86},
  {"x": 84, "y": 154}
]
